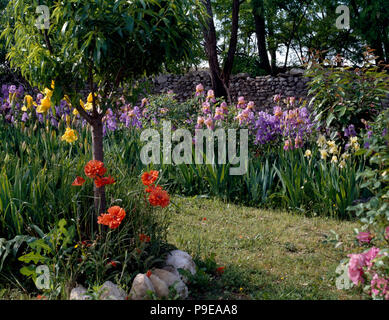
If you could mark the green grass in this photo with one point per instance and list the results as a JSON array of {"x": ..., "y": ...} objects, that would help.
[{"x": 267, "y": 254}]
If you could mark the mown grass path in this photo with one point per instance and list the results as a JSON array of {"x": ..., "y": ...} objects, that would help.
[{"x": 267, "y": 254}]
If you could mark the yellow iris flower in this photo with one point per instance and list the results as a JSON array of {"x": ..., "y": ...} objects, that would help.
[
  {"x": 308, "y": 153},
  {"x": 321, "y": 141},
  {"x": 69, "y": 136},
  {"x": 90, "y": 98},
  {"x": 29, "y": 101},
  {"x": 86, "y": 107},
  {"x": 44, "y": 106},
  {"x": 48, "y": 92},
  {"x": 323, "y": 153}
]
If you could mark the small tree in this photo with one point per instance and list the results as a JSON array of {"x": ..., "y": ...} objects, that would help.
[
  {"x": 220, "y": 78},
  {"x": 99, "y": 43}
]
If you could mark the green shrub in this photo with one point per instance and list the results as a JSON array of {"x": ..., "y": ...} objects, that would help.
[{"x": 342, "y": 96}]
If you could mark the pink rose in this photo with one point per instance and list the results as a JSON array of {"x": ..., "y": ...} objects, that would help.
[
  {"x": 380, "y": 287},
  {"x": 364, "y": 237},
  {"x": 355, "y": 268},
  {"x": 370, "y": 255}
]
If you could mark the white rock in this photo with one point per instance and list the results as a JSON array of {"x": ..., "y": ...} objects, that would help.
[
  {"x": 160, "y": 287},
  {"x": 140, "y": 286},
  {"x": 172, "y": 280},
  {"x": 79, "y": 293},
  {"x": 110, "y": 291},
  {"x": 172, "y": 270},
  {"x": 181, "y": 260}
]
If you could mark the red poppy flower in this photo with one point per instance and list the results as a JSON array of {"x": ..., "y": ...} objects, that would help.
[
  {"x": 113, "y": 264},
  {"x": 151, "y": 188},
  {"x": 220, "y": 270},
  {"x": 144, "y": 238},
  {"x": 148, "y": 178},
  {"x": 159, "y": 197},
  {"x": 113, "y": 218},
  {"x": 94, "y": 169},
  {"x": 102, "y": 181},
  {"x": 148, "y": 273},
  {"x": 78, "y": 182}
]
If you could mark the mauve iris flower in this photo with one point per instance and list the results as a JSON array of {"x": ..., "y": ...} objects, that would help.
[
  {"x": 241, "y": 103},
  {"x": 199, "y": 90},
  {"x": 350, "y": 131},
  {"x": 277, "y": 98},
  {"x": 12, "y": 89},
  {"x": 219, "y": 114},
  {"x": 209, "y": 123},
  {"x": 25, "y": 117},
  {"x": 211, "y": 96}
]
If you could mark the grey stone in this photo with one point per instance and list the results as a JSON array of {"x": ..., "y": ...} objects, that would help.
[
  {"x": 172, "y": 279},
  {"x": 296, "y": 71},
  {"x": 140, "y": 286},
  {"x": 110, "y": 291},
  {"x": 162, "y": 79},
  {"x": 79, "y": 293},
  {"x": 160, "y": 287},
  {"x": 181, "y": 260},
  {"x": 242, "y": 75}
]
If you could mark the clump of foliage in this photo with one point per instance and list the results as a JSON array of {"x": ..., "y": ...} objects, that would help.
[
  {"x": 342, "y": 96},
  {"x": 370, "y": 269}
]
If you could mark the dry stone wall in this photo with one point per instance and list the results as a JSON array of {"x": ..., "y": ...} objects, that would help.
[{"x": 261, "y": 90}]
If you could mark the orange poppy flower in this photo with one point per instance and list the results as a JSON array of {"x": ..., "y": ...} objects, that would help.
[
  {"x": 159, "y": 197},
  {"x": 144, "y": 238},
  {"x": 113, "y": 218},
  {"x": 220, "y": 270},
  {"x": 78, "y": 182},
  {"x": 113, "y": 264},
  {"x": 102, "y": 181},
  {"x": 149, "y": 189},
  {"x": 149, "y": 178},
  {"x": 94, "y": 169}
]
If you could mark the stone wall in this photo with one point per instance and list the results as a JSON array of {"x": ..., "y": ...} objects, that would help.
[{"x": 261, "y": 90}]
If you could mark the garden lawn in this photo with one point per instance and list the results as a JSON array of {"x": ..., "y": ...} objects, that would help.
[{"x": 267, "y": 254}]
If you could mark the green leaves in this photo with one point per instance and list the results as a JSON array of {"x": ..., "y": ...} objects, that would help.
[
  {"x": 32, "y": 256},
  {"x": 343, "y": 96},
  {"x": 116, "y": 40},
  {"x": 317, "y": 186}
]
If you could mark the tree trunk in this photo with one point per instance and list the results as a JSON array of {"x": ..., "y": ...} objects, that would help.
[
  {"x": 98, "y": 154},
  {"x": 228, "y": 64},
  {"x": 211, "y": 51},
  {"x": 258, "y": 11},
  {"x": 379, "y": 50}
]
